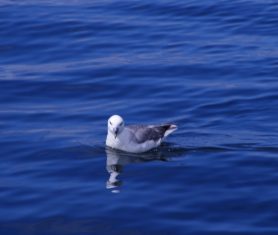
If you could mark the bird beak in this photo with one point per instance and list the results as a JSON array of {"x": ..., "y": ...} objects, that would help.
[{"x": 116, "y": 132}]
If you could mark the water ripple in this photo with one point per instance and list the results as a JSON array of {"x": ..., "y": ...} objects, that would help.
[{"x": 210, "y": 68}]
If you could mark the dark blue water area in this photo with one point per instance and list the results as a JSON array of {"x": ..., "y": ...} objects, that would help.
[{"x": 210, "y": 67}]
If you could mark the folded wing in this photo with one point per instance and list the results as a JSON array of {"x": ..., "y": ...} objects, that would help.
[{"x": 143, "y": 133}]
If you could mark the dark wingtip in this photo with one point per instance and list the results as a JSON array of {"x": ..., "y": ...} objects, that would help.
[{"x": 170, "y": 127}]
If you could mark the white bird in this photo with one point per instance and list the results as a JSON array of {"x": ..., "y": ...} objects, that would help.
[{"x": 135, "y": 138}]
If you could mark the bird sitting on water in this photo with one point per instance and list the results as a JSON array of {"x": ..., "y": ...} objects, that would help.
[{"x": 135, "y": 138}]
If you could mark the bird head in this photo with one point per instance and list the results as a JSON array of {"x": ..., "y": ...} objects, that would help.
[{"x": 115, "y": 125}]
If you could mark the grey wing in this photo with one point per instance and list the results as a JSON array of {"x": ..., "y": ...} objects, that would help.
[{"x": 143, "y": 133}]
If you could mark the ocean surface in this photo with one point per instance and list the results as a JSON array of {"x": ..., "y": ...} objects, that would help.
[{"x": 210, "y": 67}]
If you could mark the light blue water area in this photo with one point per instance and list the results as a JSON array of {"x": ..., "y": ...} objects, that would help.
[{"x": 208, "y": 66}]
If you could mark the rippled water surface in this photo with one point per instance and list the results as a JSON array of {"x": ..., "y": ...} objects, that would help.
[{"x": 208, "y": 66}]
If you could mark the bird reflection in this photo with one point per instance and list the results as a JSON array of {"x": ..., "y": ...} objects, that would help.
[{"x": 117, "y": 159}]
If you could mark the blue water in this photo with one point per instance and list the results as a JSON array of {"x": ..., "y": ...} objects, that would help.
[{"x": 208, "y": 66}]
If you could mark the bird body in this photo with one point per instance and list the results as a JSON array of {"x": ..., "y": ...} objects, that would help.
[{"x": 135, "y": 138}]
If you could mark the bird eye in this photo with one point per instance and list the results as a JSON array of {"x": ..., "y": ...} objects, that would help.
[
  {"x": 110, "y": 122},
  {"x": 121, "y": 124}
]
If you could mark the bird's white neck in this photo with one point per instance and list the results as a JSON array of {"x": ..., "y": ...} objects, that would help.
[
  {"x": 115, "y": 142},
  {"x": 111, "y": 140}
]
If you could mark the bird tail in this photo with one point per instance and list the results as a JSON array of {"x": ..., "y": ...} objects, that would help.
[{"x": 170, "y": 128}]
